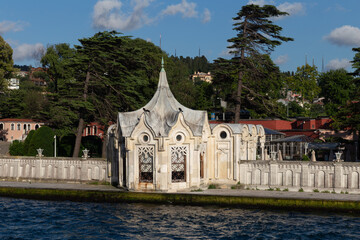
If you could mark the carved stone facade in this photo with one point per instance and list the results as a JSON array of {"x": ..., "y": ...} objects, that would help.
[{"x": 167, "y": 147}]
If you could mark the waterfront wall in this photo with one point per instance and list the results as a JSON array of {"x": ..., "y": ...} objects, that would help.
[
  {"x": 53, "y": 169},
  {"x": 338, "y": 176}
]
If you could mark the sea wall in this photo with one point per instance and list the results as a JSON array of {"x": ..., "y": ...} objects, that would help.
[
  {"x": 53, "y": 169},
  {"x": 338, "y": 176}
]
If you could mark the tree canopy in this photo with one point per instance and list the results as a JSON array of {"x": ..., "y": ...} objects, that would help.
[
  {"x": 6, "y": 63},
  {"x": 256, "y": 36}
]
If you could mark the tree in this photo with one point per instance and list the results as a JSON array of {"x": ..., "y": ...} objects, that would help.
[
  {"x": 348, "y": 115},
  {"x": 304, "y": 82},
  {"x": 256, "y": 34},
  {"x": 337, "y": 87},
  {"x": 260, "y": 87},
  {"x": 6, "y": 63},
  {"x": 356, "y": 62},
  {"x": 65, "y": 90}
]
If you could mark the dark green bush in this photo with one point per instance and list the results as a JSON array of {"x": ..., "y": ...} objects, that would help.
[
  {"x": 27, "y": 142},
  {"x": 16, "y": 148},
  {"x": 66, "y": 145},
  {"x": 42, "y": 138},
  {"x": 93, "y": 144}
]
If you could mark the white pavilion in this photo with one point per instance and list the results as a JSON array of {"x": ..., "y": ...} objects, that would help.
[{"x": 165, "y": 146}]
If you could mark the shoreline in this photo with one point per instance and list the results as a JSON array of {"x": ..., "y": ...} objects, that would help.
[{"x": 260, "y": 199}]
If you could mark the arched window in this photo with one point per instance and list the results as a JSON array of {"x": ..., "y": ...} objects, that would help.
[
  {"x": 29, "y": 127},
  {"x": 18, "y": 127},
  {"x": 12, "y": 127},
  {"x": 178, "y": 163},
  {"x": 146, "y": 159},
  {"x": 95, "y": 130},
  {"x": 36, "y": 126},
  {"x": 88, "y": 131},
  {"x": 1, "y": 126},
  {"x": 25, "y": 127}
]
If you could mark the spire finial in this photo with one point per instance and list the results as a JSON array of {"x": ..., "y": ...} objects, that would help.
[{"x": 162, "y": 64}]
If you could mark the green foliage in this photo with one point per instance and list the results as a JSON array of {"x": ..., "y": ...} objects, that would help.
[
  {"x": 93, "y": 144},
  {"x": 66, "y": 145},
  {"x": 256, "y": 37},
  {"x": 305, "y": 158},
  {"x": 304, "y": 82},
  {"x": 16, "y": 148},
  {"x": 337, "y": 87},
  {"x": 301, "y": 190},
  {"x": 27, "y": 142},
  {"x": 213, "y": 186},
  {"x": 356, "y": 61},
  {"x": 42, "y": 138},
  {"x": 6, "y": 63},
  {"x": 315, "y": 190}
]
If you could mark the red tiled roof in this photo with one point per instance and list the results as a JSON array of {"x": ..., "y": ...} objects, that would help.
[{"x": 16, "y": 120}]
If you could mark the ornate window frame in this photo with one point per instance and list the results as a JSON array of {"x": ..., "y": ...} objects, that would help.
[
  {"x": 179, "y": 156},
  {"x": 146, "y": 163}
]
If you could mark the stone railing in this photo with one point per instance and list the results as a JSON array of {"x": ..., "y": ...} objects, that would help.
[
  {"x": 54, "y": 169},
  {"x": 334, "y": 176}
]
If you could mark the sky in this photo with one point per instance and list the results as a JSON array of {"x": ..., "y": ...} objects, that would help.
[{"x": 324, "y": 31}]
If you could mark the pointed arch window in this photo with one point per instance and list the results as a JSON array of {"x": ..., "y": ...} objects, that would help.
[
  {"x": 146, "y": 162},
  {"x": 178, "y": 163}
]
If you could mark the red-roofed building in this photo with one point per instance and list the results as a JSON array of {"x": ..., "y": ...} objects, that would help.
[
  {"x": 16, "y": 129},
  {"x": 94, "y": 129}
]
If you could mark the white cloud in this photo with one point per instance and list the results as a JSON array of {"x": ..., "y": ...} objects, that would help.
[
  {"x": 260, "y": 2},
  {"x": 9, "y": 26},
  {"x": 292, "y": 9},
  {"x": 187, "y": 9},
  {"x": 281, "y": 59},
  {"x": 108, "y": 15},
  {"x": 337, "y": 64},
  {"x": 28, "y": 52},
  {"x": 344, "y": 36},
  {"x": 206, "y": 16}
]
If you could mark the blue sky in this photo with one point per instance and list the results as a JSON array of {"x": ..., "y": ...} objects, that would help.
[{"x": 322, "y": 29}]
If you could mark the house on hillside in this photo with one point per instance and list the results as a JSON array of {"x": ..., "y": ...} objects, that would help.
[
  {"x": 166, "y": 146},
  {"x": 17, "y": 129}
]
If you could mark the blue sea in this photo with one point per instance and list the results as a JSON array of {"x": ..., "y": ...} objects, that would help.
[{"x": 33, "y": 219}]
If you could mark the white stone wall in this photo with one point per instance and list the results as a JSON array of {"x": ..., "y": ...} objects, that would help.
[
  {"x": 63, "y": 169},
  {"x": 342, "y": 176}
]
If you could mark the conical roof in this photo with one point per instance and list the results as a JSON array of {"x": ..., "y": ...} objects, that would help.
[{"x": 161, "y": 113}]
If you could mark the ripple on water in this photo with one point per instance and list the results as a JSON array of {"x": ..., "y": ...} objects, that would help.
[{"x": 30, "y": 219}]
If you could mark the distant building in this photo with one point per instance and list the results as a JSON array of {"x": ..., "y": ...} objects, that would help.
[
  {"x": 14, "y": 83},
  {"x": 94, "y": 129},
  {"x": 206, "y": 77},
  {"x": 16, "y": 129},
  {"x": 36, "y": 80}
]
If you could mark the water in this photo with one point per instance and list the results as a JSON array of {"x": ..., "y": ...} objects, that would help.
[{"x": 30, "y": 219}]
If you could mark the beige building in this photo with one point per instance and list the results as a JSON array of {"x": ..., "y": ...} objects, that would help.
[
  {"x": 16, "y": 129},
  {"x": 168, "y": 147},
  {"x": 206, "y": 77}
]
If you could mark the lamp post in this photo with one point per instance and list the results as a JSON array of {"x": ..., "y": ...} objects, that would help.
[
  {"x": 55, "y": 146},
  {"x": 39, "y": 151},
  {"x": 273, "y": 156},
  {"x": 85, "y": 153},
  {"x": 338, "y": 156},
  {"x": 306, "y": 147}
]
